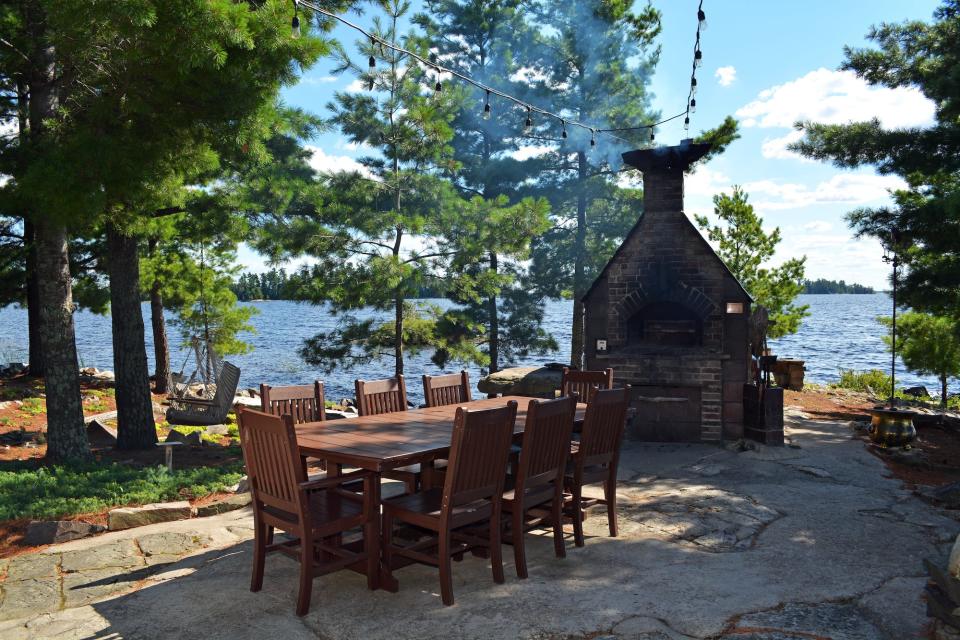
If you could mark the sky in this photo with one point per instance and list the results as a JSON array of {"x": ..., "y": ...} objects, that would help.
[{"x": 769, "y": 64}]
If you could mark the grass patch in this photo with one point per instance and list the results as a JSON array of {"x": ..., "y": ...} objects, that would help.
[
  {"x": 34, "y": 406},
  {"x": 29, "y": 491},
  {"x": 872, "y": 381}
]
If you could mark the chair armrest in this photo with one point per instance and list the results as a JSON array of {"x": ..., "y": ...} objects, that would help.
[{"x": 335, "y": 481}]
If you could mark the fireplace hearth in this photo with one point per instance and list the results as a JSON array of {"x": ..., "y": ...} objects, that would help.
[{"x": 669, "y": 317}]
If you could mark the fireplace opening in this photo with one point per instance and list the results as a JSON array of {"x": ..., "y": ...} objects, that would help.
[{"x": 667, "y": 324}]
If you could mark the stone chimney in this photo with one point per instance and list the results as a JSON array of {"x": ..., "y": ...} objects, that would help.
[{"x": 663, "y": 169}]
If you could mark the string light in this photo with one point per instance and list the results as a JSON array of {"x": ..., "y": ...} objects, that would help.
[
  {"x": 438, "y": 87},
  {"x": 370, "y": 83},
  {"x": 373, "y": 63},
  {"x": 563, "y": 134},
  {"x": 295, "y": 23},
  {"x": 686, "y": 123},
  {"x": 693, "y": 105},
  {"x": 697, "y": 62}
]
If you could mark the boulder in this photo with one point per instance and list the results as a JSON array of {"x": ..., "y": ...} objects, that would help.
[
  {"x": 231, "y": 503},
  {"x": 192, "y": 438},
  {"x": 953, "y": 564},
  {"x": 129, "y": 517},
  {"x": 336, "y": 414},
  {"x": 243, "y": 486},
  {"x": 917, "y": 392},
  {"x": 101, "y": 434},
  {"x": 55, "y": 531},
  {"x": 218, "y": 429},
  {"x": 247, "y": 401},
  {"x": 947, "y": 495},
  {"x": 522, "y": 381}
]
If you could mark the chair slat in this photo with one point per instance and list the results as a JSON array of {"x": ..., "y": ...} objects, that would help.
[{"x": 584, "y": 383}]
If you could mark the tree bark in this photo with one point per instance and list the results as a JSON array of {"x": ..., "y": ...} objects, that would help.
[
  {"x": 494, "y": 320},
  {"x": 161, "y": 346},
  {"x": 36, "y": 363},
  {"x": 136, "y": 428},
  {"x": 66, "y": 433},
  {"x": 579, "y": 260},
  {"x": 943, "y": 392},
  {"x": 398, "y": 334}
]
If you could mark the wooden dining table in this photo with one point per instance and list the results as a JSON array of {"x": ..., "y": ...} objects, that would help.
[{"x": 387, "y": 441}]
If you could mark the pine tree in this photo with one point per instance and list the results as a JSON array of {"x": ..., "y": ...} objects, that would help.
[{"x": 926, "y": 215}]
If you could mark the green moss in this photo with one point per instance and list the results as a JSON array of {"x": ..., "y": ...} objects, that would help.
[{"x": 31, "y": 491}]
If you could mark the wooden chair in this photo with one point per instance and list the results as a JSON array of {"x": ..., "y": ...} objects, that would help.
[
  {"x": 447, "y": 389},
  {"x": 315, "y": 512},
  {"x": 538, "y": 481},
  {"x": 388, "y": 396},
  {"x": 595, "y": 457},
  {"x": 198, "y": 411},
  {"x": 381, "y": 396},
  {"x": 304, "y": 403},
  {"x": 472, "y": 493},
  {"x": 583, "y": 383}
]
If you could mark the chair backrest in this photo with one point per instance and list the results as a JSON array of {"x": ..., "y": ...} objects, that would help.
[
  {"x": 479, "y": 451},
  {"x": 583, "y": 383},
  {"x": 272, "y": 459},
  {"x": 452, "y": 388},
  {"x": 603, "y": 427},
  {"x": 381, "y": 396},
  {"x": 546, "y": 442},
  {"x": 227, "y": 383},
  {"x": 304, "y": 403}
]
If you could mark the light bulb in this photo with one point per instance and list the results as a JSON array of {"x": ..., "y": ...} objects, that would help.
[
  {"x": 702, "y": 19},
  {"x": 528, "y": 125},
  {"x": 486, "y": 107},
  {"x": 295, "y": 27},
  {"x": 372, "y": 63},
  {"x": 693, "y": 105},
  {"x": 697, "y": 58},
  {"x": 593, "y": 138},
  {"x": 563, "y": 134}
]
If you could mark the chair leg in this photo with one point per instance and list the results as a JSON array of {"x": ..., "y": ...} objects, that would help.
[
  {"x": 557, "y": 516},
  {"x": 519, "y": 553},
  {"x": 371, "y": 547},
  {"x": 269, "y": 535},
  {"x": 577, "y": 516},
  {"x": 259, "y": 555},
  {"x": 496, "y": 549},
  {"x": 610, "y": 496},
  {"x": 446, "y": 570},
  {"x": 306, "y": 576},
  {"x": 386, "y": 541}
]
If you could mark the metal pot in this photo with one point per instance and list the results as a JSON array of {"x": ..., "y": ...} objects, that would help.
[{"x": 892, "y": 428}]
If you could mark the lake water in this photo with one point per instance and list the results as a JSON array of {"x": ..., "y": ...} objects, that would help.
[{"x": 840, "y": 333}]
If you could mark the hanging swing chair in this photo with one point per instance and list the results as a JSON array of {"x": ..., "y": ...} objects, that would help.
[{"x": 206, "y": 396}]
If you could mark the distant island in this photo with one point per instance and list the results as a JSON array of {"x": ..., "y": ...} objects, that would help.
[{"x": 834, "y": 286}]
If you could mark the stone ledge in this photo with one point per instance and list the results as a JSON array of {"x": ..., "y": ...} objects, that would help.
[{"x": 129, "y": 517}]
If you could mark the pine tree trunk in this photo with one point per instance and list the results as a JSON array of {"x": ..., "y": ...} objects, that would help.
[
  {"x": 493, "y": 312},
  {"x": 136, "y": 428},
  {"x": 943, "y": 391},
  {"x": 36, "y": 363},
  {"x": 161, "y": 346},
  {"x": 398, "y": 334},
  {"x": 579, "y": 261},
  {"x": 66, "y": 433}
]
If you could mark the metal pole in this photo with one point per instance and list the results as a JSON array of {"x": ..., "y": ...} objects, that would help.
[{"x": 893, "y": 340}]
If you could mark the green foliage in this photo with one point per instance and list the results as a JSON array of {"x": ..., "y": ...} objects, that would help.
[
  {"x": 745, "y": 247},
  {"x": 928, "y": 345},
  {"x": 822, "y": 285},
  {"x": 873, "y": 381},
  {"x": 28, "y": 491},
  {"x": 33, "y": 406},
  {"x": 922, "y": 56}
]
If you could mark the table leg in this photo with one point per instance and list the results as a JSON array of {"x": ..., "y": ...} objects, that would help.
[{"x": 384, "y": 580}]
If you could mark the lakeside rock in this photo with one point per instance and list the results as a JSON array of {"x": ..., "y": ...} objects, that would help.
[
  {"x": 129, "y": 517},
  {"x": 523, "y": 381},
  {"x": 40, "y": 532}
]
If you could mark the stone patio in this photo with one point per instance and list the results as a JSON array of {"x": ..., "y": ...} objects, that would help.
[{"x": 813, "y": 540}]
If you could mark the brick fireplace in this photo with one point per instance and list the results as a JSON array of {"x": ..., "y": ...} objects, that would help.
[{"x": 669, "y": 317}]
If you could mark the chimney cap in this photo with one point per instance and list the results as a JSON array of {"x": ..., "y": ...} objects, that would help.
[{"x": 680, "y": 156}]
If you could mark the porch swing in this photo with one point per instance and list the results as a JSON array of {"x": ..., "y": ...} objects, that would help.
[{"x": 206, "y": 396}]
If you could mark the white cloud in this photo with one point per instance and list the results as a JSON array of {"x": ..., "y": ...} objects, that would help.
[
  {"x": 836, "y": 97},
  {"x": 318, "y": 79},
  {"x": 819, "y": 226},
  {"x": 846, "y": 188},
  {"x": 356, "y": 86},
  {"x": 726, "y": 76},
  {"x": 777, "y": 147},
  {"x": 705, "y": 182},
  {"x": 324, "y": 163},
  {"x": 530, "y": 151}
]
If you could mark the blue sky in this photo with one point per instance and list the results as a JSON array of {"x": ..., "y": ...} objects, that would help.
[{"x": 768, "y": 64}]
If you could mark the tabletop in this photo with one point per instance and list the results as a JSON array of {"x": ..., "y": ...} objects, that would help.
[{"x": 391, "y": 440}]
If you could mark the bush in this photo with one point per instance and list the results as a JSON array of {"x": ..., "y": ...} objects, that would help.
[
  {"x": 29, "y": 491},
  {"x": 873, "y": 381}
]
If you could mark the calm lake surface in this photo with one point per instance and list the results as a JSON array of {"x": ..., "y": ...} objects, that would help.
[{"x": 841, "y": 332}]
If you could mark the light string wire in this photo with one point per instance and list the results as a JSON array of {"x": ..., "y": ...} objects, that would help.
[{"x": 530, "y": 108}]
